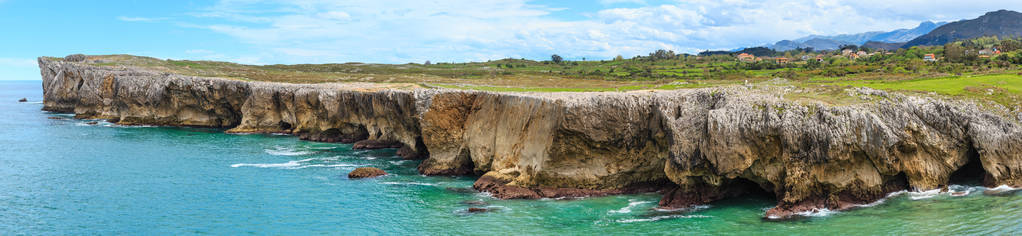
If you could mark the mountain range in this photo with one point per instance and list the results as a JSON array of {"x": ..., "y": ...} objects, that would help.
[{"x": 821, "y": 42}]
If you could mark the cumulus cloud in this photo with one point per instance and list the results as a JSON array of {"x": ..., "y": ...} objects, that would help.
[{"x": 399, "y": 31}]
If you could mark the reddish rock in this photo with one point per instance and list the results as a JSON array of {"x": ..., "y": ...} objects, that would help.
[
  {"x": 407, "y": 153},
  {"x": 501, "y": 190},
  {"x": 477, "y": 210},
  {"x": 366, "y": 172}
]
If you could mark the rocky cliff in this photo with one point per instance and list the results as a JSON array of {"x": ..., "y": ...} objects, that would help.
[{"x": 696, "y": 146}]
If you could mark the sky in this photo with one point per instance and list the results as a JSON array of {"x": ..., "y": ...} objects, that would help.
[{"x": 402, "y": 31}]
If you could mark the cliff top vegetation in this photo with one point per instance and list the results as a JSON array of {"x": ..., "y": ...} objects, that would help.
[{"x": 985, "y": 69}]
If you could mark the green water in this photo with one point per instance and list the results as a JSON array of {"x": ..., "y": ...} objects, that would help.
[{"x": 67, "y": 177}]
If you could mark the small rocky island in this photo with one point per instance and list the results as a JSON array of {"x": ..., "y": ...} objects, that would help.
[{"x": 694, "y": 145}]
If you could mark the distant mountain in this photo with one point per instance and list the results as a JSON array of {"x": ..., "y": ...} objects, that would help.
[
  {"x": 905, "y": 35},
  {"x": 882, "y": 45},
  {"x": 1000, "y": 23},
  {"x": 820, "y": 42}
]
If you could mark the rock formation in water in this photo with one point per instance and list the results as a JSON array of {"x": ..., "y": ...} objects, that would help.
[
  {"x": 697, "y": 145},
  {"x": 366, "y": 172}
]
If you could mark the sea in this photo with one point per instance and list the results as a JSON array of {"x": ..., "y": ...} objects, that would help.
[{"x": 63, "y": 176}]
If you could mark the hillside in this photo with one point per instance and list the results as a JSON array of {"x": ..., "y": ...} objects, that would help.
[{"x": 1001, "y": 23}]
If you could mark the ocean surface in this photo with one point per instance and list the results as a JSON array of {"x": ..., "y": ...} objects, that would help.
[{"x": 60, "y": 176}]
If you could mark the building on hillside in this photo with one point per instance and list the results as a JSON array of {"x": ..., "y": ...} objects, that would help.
[
  {"x": 846, "y": 52},
  {"x": 782, "y": 60},
  {"x": 746, "y": 57},
  {"x": 862, "y": 54},
  {"x": 930, "y": 57},
  {"x": 819, "y": 58},
  {"x": 853, "y": 56},
  {"x": 986, "y": 52}
]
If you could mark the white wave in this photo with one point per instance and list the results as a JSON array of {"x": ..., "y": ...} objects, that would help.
[
  {"x": 882, "y": 200},
  {"x": 290, "y": 164},
  {"x": 692, "y": 208},
  {"x": 631, "y": 204},
  {"x": 398, "y": 162},
  {"x": 39, "y": 102},
  {"x": 656, "y": 218},
  {"x": 924, "y": 194},
  {"x": 286, "y": 151},
  {"x": 299, "y": 164},
  {"x": 817, "y": 212},
  {"x": 409, "y": 183},
  {"x": 485, "y": 195},
  {"x": 328, "y": 165},
  {"x": 1003, "y": 188}
]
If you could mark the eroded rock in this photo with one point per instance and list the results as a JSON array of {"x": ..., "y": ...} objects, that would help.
[{"x": 366, "y": 172}]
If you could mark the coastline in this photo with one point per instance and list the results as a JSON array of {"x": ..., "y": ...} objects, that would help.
[{"x": 697, "y": 142}]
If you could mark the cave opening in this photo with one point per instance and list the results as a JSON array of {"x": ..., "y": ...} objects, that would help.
[
  {"x": 748, "y": 189},
  {"x": 970, "y": 174},
  {"x": 284, "y": 125}
]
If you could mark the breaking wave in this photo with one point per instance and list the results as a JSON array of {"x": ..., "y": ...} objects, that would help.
[
  {"x": 287, "y": 151},
  {"x": 299, "y": 164},
  {"x": 632, "y": 203},
  {"x": 658, "y": 218}
]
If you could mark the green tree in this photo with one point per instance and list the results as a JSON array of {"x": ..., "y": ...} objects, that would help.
[{"x": 556, "y": 58}]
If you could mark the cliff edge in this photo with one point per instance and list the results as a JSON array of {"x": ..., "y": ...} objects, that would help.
[{"x": 695, "y": 145}]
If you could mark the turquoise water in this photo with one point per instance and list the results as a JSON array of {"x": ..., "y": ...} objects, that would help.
[{"x": 69, "y": 177}]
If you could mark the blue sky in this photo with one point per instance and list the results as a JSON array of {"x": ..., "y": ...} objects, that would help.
[{"x": 400, "y": 31}]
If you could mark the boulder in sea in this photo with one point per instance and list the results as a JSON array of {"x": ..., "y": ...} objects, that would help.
[
  {"x": 366, "y": 172},
  {"x": 92, "y": 123},
  {"x": 477, "y": 210},
  {"x": 56, "y": 118},
  {"x": 23, "y": 100}
]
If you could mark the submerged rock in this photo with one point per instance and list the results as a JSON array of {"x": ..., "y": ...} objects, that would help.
[
  {"x": 366, "y": 172},
  {"x": 477, "y": 210}
]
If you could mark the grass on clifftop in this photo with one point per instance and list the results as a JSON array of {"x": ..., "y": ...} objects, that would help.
[
  {"x": 1000, "y": 85},
  {"x": 1004, "y": 89}
]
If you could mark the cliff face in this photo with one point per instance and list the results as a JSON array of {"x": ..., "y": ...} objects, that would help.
[{"x": 696, "y": 145}]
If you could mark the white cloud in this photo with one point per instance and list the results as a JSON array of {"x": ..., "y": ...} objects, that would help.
[
  {"x": 612, "y": 2},
  {"x": 461, "y": 30}
]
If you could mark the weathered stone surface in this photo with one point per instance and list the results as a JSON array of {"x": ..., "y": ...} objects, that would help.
[
  {"x": 696, "y": 145},
  {"x": 366, "y": 172}
]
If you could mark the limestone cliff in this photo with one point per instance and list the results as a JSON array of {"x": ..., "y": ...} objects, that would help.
[{"x": 697, "y": 145}]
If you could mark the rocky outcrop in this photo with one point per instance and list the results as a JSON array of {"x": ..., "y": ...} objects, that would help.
[
  {"x": 696, "y": 146},
  {"x": 366, "y": 172}
]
